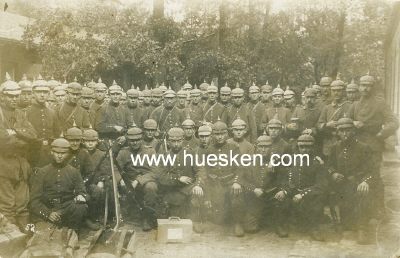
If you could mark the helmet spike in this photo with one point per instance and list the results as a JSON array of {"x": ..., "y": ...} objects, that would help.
[
  {"x": 8, "y": 77},
  {"x": 100, "y": 81}
]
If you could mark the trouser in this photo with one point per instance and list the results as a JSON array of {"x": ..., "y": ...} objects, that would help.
[
  {"x": 176, "y": 200},
  {"x": 308, "y": 212},
  {"x": 72, "y": 213},
  {"x": 379, "y": 196}
]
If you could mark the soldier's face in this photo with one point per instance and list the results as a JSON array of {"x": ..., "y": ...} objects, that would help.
[
  {"x": 147, "y": 100},
  {"x": 204, "y": 95},
  {"x": 73, "y": 97},
  {"x": 182, "y": 101},
  {"x": 196, "y": 99},
  {"x": 135, "y": 144},
  {"x": 86, "y": 101},
  {"x": 156, "y": 100},
  {"x": 237, "y": 100},
  {"x": 254, "y": 96},
  {"x": 90, "y": 144},
  {"x": 352, "y": 95},
  {"x": 60, "y": 98},
  {"x": 132, "y": 101},
  {"x": 225, "y": 97},
  {"x": 204, "y": 140},
  {"x": 310, "y": 101},
  {"x": 277, "y": 99},
  {"x": 265, "y": 95},
  {"x": 274, "y": 132},
  {"x": 263, "y": 149},
  {"x": 175, "y": 144},
  {"x": 212, "y": 96},
  {"x": 337, "y": 94},
  {"x": 115, "y": 97},
  {"x": 41, "y": 96},
  {"x": 11, "y": 101},
  {"x": 366, "y": 89},
  {"x": 75, "y": 144},
  {"x": 325, "y": 90},
  {"x": 149, "y": 133},
  {"x": 169, "y": 102},
  {"x": 188, "y": 132},
  {"x": 100, "y": 95},
  {"x": 290, "y": 102},
  {"x": 25, "y": 97},
  {"x": 59, "y": 157},
  {"x": 238, "y": 133},
  {"x": 305, "y": 149},
  {"x": 346, "y": 134},
  {"x": 219, "y": 137}
]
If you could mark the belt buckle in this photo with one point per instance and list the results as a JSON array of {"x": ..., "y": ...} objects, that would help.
[{"x": 45, "y": 143}]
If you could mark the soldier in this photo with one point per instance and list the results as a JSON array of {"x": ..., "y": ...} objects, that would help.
[
  {"x": 176, "y": 180},
  {"x": 195, "y": 109},
  {"x": 254, "y": 96},
  {"x": 52, "y": 84},
  {"x": 187, "y": 86},
  {"x": 139, "y": 176},
  {"x": 225, "y": 96},
  {"x": 290, "y": 100},
  {"x": 182, "y": 98},
  {"x": 112, "y": 120},
  {"x": 221, "y": 185},
  {"x": 266, "y": 95},
  {"x": 146, "y": 97},
  {"x": 278, "y": 109},
  {"x": 163, "y": 88},
  {"x": 168, "y": 114},
  {"x": 25, "y": 100},
  {"x": 123, "y": 98},
  {"x": 325, "y": 84},
  {"x": 45, "y": 122},
  {"x": 239, "y": 129},
  {"x": 60, "y": 95},
  {"x": 354, "y": 179},
  {"x": 204, "y": 133},
  {"x": 91, "y": 85},
  {"x": 100, "y": 90},
  {"x": 149, "y": 135},
  {"x": 140, "y": 98},
  {"x": 58, "y": 193},
  {"x": 331, "y": 113},
  {"x": 303, "y": 189},
  {"x": 279, "y": 145},
  {"x": 16, "y": 133},
  {"x": 212, "y": 109},
  {"x": 374, "y": 122},
  {"x": 204, "y": 92},
  {"x": 134, "y": 113},
  {"x": 190, "y": 142},
  {"x": 352, "y": 92},
  {"x": 317, "y": 89},
  {"x": 239, "y": 109},
  {"x": 87, "y": 100},
  {"x": 70, "y": 112},
  {"x": 260, "y": 108},
  {"x": 156, "y": 101}
]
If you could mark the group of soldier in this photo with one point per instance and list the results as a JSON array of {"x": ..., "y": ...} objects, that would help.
[{"x": 61, "y": 143}]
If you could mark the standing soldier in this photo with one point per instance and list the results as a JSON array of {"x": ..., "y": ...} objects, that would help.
[
  {"x": 146, "y": 98},
  {"x": 112, "y": 121},
  {"x": 25, "y": 100},
  {"x": 290, "y": 100},
  {"x": 331, "y": 113},
  {"x": 239, "y": 109},
  {"x": 139, "y": 176},
  {"x": 212, "y": 109},
  {"x": 45, "y": 122},
  {"x": 352, "y": 92},
  {"x": 225, "y": 96},
  {"x": 100, "y": 90},
  {"x": 190, "y": 142},
  {"x": 16, "y": 133},
  {"x": 195, "y": 109},
  {"x": 374, "y": 122},
  {"x": 168, "y": 114},
  {"x": 325, "y": 84},
  {"x": 149, "y": 135},
  {"x": 278, "y": 110},
  {"x": 262, "y": 106},
  {"x": 60, "y": 95},
  {"x": 86, "y": 101},
  {"x": 187, "y": 86},
  {"x": 70, "y": 111},
  {"x": 156, "y": 101},
  {"x": 354, "y": 178},
  {"x": 134, "y": 113},
  {"x": 58, "y": 193},
  {"x": 204, "y": 92},
  {"x": 239, "y": 129},
  {"x": 182, "y": 98},
  {"x": 279, "y": 145},
  {"x": 254, "y": 96}
]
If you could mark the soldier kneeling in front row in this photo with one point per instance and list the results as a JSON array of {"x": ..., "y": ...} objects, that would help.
[{"x": 58, "y": 193}]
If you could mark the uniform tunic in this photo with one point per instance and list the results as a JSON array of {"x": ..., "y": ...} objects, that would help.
[
  {"x": 195, "y": 112},
  {"x": 82, "y": 161},
  {"x": 211, "y": 112},
  {"x": 111, "y": 115},
  {"x": 281, "y": 113},
  {"x": 134, "y": 115},
  {"x": 67, "y": 113},
  {"x": 246, "y": 115},
  {"x": 167, "y": 118}
]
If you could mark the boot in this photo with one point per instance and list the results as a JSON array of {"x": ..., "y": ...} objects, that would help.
[
  {"x": 362, "y": 238},
  {"x": 92, "y": 225},
  {"x": 317, "y": 235},
  {"x": 281, "y": 231},
  {"x": 146, "y": 225},
  {"x": 238, "y": 229},
  {"x": 198, "y": 227}
]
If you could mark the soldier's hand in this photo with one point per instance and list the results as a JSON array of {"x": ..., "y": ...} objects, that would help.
[
  {"x": 258, "y": 192},
  {"x": 118, "y": 128},
  {"x": 337, "y": 177},
  {"x": 331, "y": 124},
  {"x": 236, "y": 188},
  {"x": 185, "y": 179},
  {"x": 100, "y": 184},
  {"x": 11, "y": 132},
  {"x": 121, "y": 140},
  {"x": 363, "y": 188},
  {"x": 358, "y": 124},
  {"x": 54, "y": 216},
  {"x": 198, "y": 191},
  {"x": 280, "y": 196},
  {"x": 122, "y": 183},
  {"x": 80, "y": 198},
  {"x": 134, "y": 184},
  {"x": 297, "y": 198}
]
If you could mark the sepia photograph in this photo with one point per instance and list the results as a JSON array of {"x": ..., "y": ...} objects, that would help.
[{"x": 199, "y": 128}]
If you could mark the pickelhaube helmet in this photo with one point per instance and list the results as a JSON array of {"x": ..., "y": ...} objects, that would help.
[
  {"x": 123, "y": 96},
  {"x": 253, "y": 88},
  {"x": 100, "y": 86},
  {"x": 337, "y": 84},
  {"x": 10, "y": 87},
  {"x": 132, "y": 92},
  {"x": 219, "y": 126},
  {"x": 237, "y": 91},
  {"x": 266, "y": 87},
  {"x": 163, "y": 88},
  {"x": 60, "y": 145},
  {"x": 150, "y": 124},
  {"x": 175, "y": 133},
  {"x": 316, "y": 87},
  {"x": 73, "y": 133},
  {"x": 91, "y": 84},
  {"x": 325, "y": 81},
  {"x": 345, "y": 122},
  {"x": 64, "y": 85},
  {"x": 25, "y": 84},
  {"x": 141, "y": 95},
  {"x": 225, "y": 89},
  {"x": 87, "y": 92},
  {"x": 305, "y": 139},
  {"x": 187, "y": 86},
  {"x": 40, "y": 84},
  {"x": 169, "y": 93},
  {"x": 288, "y": 93},
  {"x": 74, "y": 87},
  {"x": 59, "y": 90},
  {"x": 115, "y": 88},
  {"x": 204, "y": 130},
  {"x": 310, "y": 93},
  {"x": 134, "y": 133},
  {"x": 182, "y": 94},
  {"x": 264, "y": 140},
  {"x": 211, "y": 88},
  {"x": 238, "y": 124},
  {"x": 52, "y": 83},
  {"x": 204, "y": 86},
  {"x": 188, "y": 123},
  {"x": 274, "y": 123},
  {"x": 277, "y": 91},
  {"x": 367, "y": 79},
  {"x": 90, "y": 135},
  {"x": 146, "y": 91},
  {"x": 157, "y": 92},
  {"x": 352, "y": 86},
  {"x": 195, "y": 91}
]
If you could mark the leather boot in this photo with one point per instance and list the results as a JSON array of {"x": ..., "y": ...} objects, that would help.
[
  {"x": 238, "y": 229},
  {"x": 362, "y": 238},
  {"x": 146, "y": 225},
  {"x": 92, "y": 225},
  {"x": 281, "y": 231}
]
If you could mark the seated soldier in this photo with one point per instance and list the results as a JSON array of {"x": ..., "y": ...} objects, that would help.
[
  {"x": 303, "y": 190},
  {"x": 149, "y": 135},
  {"x": 58, "y": 193},
  {"x": 190, "y": 142},
  {"x": 239, "y": 130},
  {"x": 353, "y": 178},
  {"x": 138, "y": 176}
]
